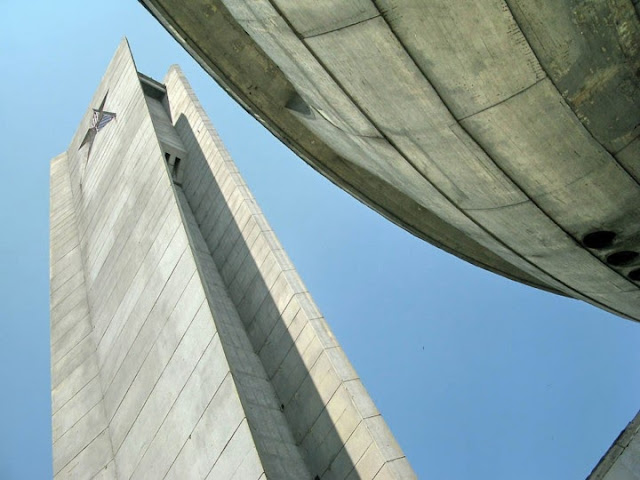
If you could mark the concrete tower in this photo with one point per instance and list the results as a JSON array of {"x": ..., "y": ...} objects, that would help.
[
  {"x": 183, "y": 343},
  {"x": 506, "y": 132}
]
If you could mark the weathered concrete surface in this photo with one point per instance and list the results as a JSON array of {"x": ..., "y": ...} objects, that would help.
[
  {"x": 622, "y": 460},
  {"x": 183, "y": 342},
  {"x": 503, "y": 132},
  {"x": 79, "y": 426},
  {"x": 281, "y": 343}
]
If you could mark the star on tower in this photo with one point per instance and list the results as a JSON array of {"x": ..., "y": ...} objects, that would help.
[{"x": 98, "y": 121}]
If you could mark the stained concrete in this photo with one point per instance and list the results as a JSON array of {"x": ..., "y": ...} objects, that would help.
[
  {"x": 184, "y": 344},
  {"x": 504, "y": 132}
]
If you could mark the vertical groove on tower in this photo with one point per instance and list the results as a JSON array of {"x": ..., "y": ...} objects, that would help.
[
  {"x": 203, "y": 355},
  {"x": 334, "y": 423}
]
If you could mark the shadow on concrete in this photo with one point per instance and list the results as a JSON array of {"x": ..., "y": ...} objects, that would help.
[{"x": 318, "y": 440}]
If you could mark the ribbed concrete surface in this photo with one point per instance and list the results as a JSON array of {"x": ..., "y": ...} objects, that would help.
[
  {"x": 332, "y": 419},
  {"x": 184, "y": 344},
  {"x": 503, "y": 132}
]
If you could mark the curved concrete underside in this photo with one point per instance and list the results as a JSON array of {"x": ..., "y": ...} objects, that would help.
[{"x": 504, "y": 132}]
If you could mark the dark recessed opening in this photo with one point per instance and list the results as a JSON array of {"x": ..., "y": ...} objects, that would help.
[
  {"x": 282, "y": 407},
  {"x": 599, "y": 239},
  {"x": 635, "y": 275},
  {"x": 622, "y": 258},
  {"x": 297, "y": 104},
  {"x": 167, "y": 156}
]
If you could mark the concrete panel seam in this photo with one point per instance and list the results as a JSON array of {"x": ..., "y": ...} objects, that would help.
[
  {"x": 200, "y": 418},
  {"x": 145, "y": 402},
  {"x": 146, "y": 319},
  {"x": 53, "y": 412},
  {"x": 115, "y": 411},
  {"x": 139, "y": 267},
  {"x": 226, "y": 445}
]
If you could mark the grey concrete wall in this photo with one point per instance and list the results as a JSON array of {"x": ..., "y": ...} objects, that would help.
[
  {"x": 265, "y": 438},
  {"x": 331, "y": 417},
  {"x": 622, "y": 460},
  {"x": 161, "y": 375},
  {"x": 81, "y": 442},
  {"x": 184, "y": 344}
]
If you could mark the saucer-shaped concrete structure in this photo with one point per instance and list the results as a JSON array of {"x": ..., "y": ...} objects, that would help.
[{"x": 505, "y": 132}]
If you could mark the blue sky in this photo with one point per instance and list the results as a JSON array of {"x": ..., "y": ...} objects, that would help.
[{"x": 477, "y": 376}]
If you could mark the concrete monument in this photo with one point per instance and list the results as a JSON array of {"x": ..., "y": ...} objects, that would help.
[
  {"x": 506, "y": 132},
  {"x": 183, "y": 342}
]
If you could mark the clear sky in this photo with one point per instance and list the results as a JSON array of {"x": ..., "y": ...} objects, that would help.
[{"x": 477, "y": 376}]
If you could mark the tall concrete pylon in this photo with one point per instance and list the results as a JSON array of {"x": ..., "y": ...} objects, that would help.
[{"x": 183, "y": 342}]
